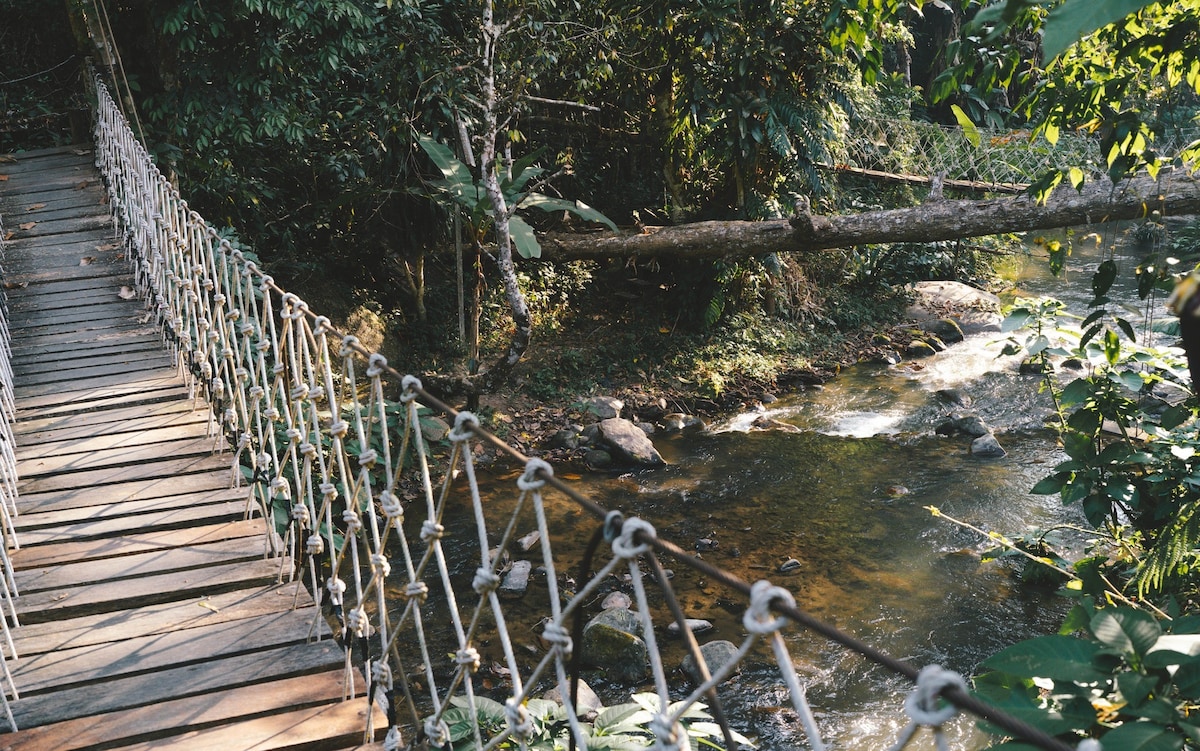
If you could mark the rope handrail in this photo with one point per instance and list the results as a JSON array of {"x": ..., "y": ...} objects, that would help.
[{"x": 338, "y": 466}]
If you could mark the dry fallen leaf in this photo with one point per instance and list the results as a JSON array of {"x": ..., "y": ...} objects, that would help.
[
  {"x": 126, "y": 294},
  {"x": 3, "y": 178},
  {"x": 16, "y": 285},
  {"x": 145, "y": 318},
  {"x": 9, "y": 235},
  {"x": 27, "y": 225},
  {"x": 208, "y": 605},
  {"x": 81, "y": 152},
  {"x": 36, "y": 206},
  {"x": 7, "y": 159},
  {"x": 109, "y": 246},
  {"x": 82, "y": 184},
  {"x": 86, "y": 260}
]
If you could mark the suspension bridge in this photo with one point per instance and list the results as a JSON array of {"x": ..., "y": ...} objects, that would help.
[{"x": 224, "y": 525}]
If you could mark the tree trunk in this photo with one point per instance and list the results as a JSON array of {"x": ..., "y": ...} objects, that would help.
[{"x": 1170, "y": 195}]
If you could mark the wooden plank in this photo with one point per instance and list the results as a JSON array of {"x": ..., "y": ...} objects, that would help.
[
  {"x": 329, "y": 727},
  {"x": 162, "y": 531},
  {"x": 98, "y": 573},
  {"x": 70, "y": 602},
  {"x": 61, "y": 669},
  {"x": 80, "y": 330},
  {"x": 160, "y": 491},
  {"x": 71, "y": 359},
  {"x": 34, "y": 352},
  {"x": 159, "y": 721},
  {"x": 149, "y": 359},
  {"x": 101, "y": 422},
  {"x": 113, "y": 333},
  {"x": 97, "y": 388},
  {"x": 191, "y": 680},
  {"x": 59, "y": 463},
  {"x": 149, "y": 396},
  {"x": 188, "y": 426},
  {"x": 89, "y": 522},
  {"x": 144, "y": 620},
  {"x": 167, "y": 468}
]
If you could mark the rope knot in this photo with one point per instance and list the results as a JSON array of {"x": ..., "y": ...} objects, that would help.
[
  {"x": 530, "y": 479},
  {"x": 315, "y": 545},
  {"x": 300, "y": 514},
  {"x": 336, "y": 588},
  {"x": 280, "y": 487},
  {"x": 409, "y": 386},
  {"x": 669, "y": 734},
  {"x": 392, "y": 508},
  {"x": 758, "y": 618},
  {"x": 375, "y": 365},
  {"x": 328, "y": 490},
  {"x": 294, "y": 435},
  {"x": 322, "y": 325},
  {"x": 468, "y": 658},
  {"x": 368, "y": 458},
  {"x": 339, "y": 429},
  {"x": 922, "y": 707},
  {"x": 431, "y": 530},
  {"x": 517, "y": 717},
  {"x": 300, "y": 391},
  {"x": 464, "y": 426},
  {"x": 626, "y": 546},
  {"x": 353, "y": 523},
  {"x": 358, "y": 622},
  {"x": 381, "y": 674},
  {"x": 485, "y": 581},
  {"x": 922, "y": 704},
  {"x": 417, "y": 589},
  {"x": 380, "y": 565},
  {"x": 437, "y": 731},
  {"x": 308, "y": 450},
  {"x": 349, "y": 346},
  {"x": 559, "y": 638}
]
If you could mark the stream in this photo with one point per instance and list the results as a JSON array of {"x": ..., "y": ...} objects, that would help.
[{"x": 845, "y": 497}]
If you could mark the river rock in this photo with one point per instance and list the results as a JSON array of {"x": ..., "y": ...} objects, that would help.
[
  {"x": 629, "y": 443},
  {"x": 604, "y": 407},
  {"x": 987, "y": 447},
  {"x": 612, "y": 641},
  {"x": 516, "y": 581},
  {"x": 588, "y": 435},
  {"x": 587, "y": 704},
  {"x": 597, "y": 459},
  {"x": 676, "y": 421},
  {"x": 434, "y": 428},
  {"x": 954, "y": 397},
  {"x": 695, "y": 625},
  {"x": 770, "y": 423},
  {"x": 716, "y": 654},
  {"x": 945, "y": 329},
  {"x": 618, "y": 600},
  {"x": 563, "y": 439},
  {"x": 973, "y": 309},
  {"x": 968, "y": 425},
  {"x": 920, "y": 348}
]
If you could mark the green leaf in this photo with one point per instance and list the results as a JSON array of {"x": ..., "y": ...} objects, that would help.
[
  {"x": 1075, "y": 19},
  {"x": 443, "y": 158},
  {"x": 1136, "y": 688},
  {"x": 1059, "y": 658},
  {"x": 1052, "y": 484},
  {"x": 968, "y": 128},
  {"x": 578, "y": 208},
  {"x": 1126, "y": 630},
  {"x": 1142, "y": 736},
  {"x": 1016, "y": 319},
  {"x": 523, "y": 238}
]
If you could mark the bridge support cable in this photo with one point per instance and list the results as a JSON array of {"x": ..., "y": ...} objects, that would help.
[{"x": 341, "y": 453}]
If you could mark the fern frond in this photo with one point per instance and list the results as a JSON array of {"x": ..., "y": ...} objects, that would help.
[{"x": 1175, "y": 543}]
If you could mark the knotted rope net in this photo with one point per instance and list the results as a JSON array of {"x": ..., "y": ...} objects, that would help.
[{"x": 382, "y": 516}]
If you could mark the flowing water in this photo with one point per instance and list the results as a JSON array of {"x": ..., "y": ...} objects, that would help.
[{"x": 845, "y": 497}]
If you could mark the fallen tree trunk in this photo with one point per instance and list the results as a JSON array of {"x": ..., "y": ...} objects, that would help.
[{"x": 1173, "y": 194}]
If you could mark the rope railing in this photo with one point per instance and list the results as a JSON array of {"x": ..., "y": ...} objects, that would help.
[
  {"x": 8, "y": 503},
  {"x": 337, "y": 453}
]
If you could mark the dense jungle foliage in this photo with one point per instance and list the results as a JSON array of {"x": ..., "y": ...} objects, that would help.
[{"x": 352, "y": 142}]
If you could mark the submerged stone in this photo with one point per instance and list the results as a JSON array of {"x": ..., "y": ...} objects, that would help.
[{"x": 629, "y": 443}]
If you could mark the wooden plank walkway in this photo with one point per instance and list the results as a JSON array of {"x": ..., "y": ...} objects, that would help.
[{"x": 150, "y": 618}]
